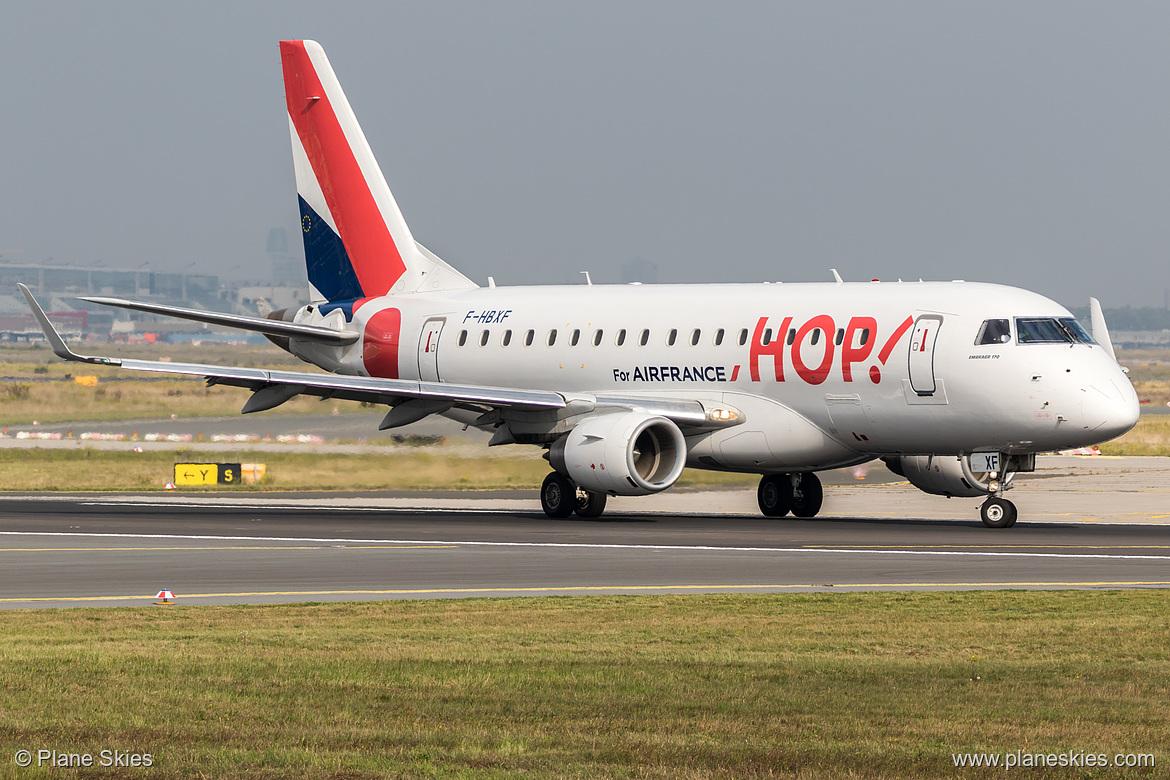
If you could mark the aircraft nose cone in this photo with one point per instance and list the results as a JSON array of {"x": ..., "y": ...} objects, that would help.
[{"x": 1109, "y": 408}]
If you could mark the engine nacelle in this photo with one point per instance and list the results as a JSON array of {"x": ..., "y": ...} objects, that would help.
[
  {"x": 280, "y": 315},
  {"x": 941, "y": 475},
  {"x": 623, "y": 454}
]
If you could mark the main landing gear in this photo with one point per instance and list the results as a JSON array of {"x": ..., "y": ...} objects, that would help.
[
  {"x": 560, "y": 498},
  {"x": 799, "y": 493},
  {"x": 998, "y": 513}
]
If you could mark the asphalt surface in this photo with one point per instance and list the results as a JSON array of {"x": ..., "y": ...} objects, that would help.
[{"x": 1091, "y": 523}]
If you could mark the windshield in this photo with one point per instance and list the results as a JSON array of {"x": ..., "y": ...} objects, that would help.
[{"x": 1051, "y": 330}]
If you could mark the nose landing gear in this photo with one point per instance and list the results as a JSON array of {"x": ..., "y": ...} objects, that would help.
[{"x": 998, "y": 513}]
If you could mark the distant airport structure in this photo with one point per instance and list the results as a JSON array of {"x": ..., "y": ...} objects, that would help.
[{"x": 59, "y": 284}]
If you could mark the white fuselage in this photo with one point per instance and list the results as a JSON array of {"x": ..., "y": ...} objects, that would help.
[{"x": 823, "y": 374}]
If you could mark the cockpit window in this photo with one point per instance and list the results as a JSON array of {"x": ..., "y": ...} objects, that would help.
[
  {"x": 1079, "y": 334},
  {"x": 994, "y": 332},
  {"x": 1051, "y": 330}
]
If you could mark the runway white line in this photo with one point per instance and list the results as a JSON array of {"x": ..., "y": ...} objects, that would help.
[{"x": 591, "y": 546}]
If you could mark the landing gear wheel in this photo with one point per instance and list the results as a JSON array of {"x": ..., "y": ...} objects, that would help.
[
  {"x": 590, "y": 504},
  {"x": 775, "y": 495},
  {"x": 807, "y": 495},
  {"x": 558, "y": 496},
  {"x": 998, "y": 513}
]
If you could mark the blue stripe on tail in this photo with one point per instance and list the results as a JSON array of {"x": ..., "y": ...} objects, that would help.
[{"x": 328, "y": 264}]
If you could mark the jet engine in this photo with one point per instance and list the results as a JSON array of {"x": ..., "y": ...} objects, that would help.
[
  {"x": 941, "y": 475},
  {"x": 281, "y": 315},
  {"x": 622, "y": 454}
]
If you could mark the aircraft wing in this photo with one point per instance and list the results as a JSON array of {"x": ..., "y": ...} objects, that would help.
[
  {"x": 412, "y": 399},
  {"x": 355, "y": 388},
  {"x": 257, "y": 324}
]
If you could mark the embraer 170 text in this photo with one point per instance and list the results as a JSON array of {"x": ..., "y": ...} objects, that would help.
[{"x": 955, "y": 385}]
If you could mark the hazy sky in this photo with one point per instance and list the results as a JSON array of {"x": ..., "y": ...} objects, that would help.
[{"x": 1025, "y": 143}]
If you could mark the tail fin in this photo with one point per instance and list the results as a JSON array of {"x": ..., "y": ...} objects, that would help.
[{"x": 357, "y": 245}]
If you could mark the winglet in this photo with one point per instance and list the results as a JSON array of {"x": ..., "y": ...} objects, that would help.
[
  {"x": 1100, "y": 331},
  {"x": 54, "y": 338}
]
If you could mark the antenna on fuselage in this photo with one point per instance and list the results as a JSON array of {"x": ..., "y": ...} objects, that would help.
[
  {"x": 588, "y": 281},
  {"x": 837, "y": 276}
]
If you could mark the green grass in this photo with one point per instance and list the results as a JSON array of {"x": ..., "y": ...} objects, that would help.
[
  {"x": 871, "y": 685},
  {"x": 115, "y": 470},
  {"x": 1151, "y": 436}
]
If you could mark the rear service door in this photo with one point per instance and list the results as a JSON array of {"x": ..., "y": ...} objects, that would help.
[{"x": 428, "y": 350}]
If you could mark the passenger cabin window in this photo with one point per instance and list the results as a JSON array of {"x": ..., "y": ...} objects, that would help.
[
  {"x": 483, "y": 338},
  {"x": 864, "y": 336},
  {"x": 695, "y": 336},
  {"x": 671, "y": 337},
  {"x": 462, "y": 337},
  {"x": 743, "y": 337},
  {"x": 840, "y": 336},
  {"x": 528, "y": 337},
  {"x": 994, "y": 332},
  {"x": 719, "y": 337},
  {"x": 1051, "y": 330},
  {"x": 574, "y": 338},
  {"x": 621, "y": 337},
  {"x": 791, "y": 336},
  {"x": 767, "y": 339},
  {"x": 552, "y": 337},
  {"x": 597, "y": 336},
  {"x": 816, "y": 336},
  {"x": 506, "y": 339},
  {"x": 644, "y": 339}
]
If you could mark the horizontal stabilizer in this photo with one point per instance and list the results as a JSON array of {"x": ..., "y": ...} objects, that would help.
[{"x": 244, "y": 322}]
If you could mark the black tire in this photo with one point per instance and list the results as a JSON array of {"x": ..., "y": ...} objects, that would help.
[
  {"x": 807, "y": 495},
  {"x": 590, "y": 504},
  {"x": 998, "y": 513},
  {"x": 774, "y": 495},
  {"x": 558, "y": 496}
]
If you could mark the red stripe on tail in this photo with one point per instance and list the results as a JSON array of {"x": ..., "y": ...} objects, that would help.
[{"x": 363, "y": 230}]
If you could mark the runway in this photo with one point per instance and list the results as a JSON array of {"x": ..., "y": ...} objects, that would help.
[{"x": 119, "y": 550}]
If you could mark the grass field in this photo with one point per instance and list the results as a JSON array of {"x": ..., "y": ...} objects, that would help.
[
  {"x": 113, "y": 470},
  {"x": 875, "y": 685},
  {"x": 1151, "y": 436},
  {"x": 420, "y": 468}
]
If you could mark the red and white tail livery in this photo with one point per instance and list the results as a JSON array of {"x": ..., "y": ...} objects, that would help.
[{"x": 357, "y": 245}]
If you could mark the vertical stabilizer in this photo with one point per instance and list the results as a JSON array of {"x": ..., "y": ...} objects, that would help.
[{"x": 357, "y": 245}]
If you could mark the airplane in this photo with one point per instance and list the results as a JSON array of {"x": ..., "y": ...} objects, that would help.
[{"x": 956, "y": 386}]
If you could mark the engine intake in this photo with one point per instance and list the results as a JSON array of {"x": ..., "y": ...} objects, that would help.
[{"x": 625, "y": 454}]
